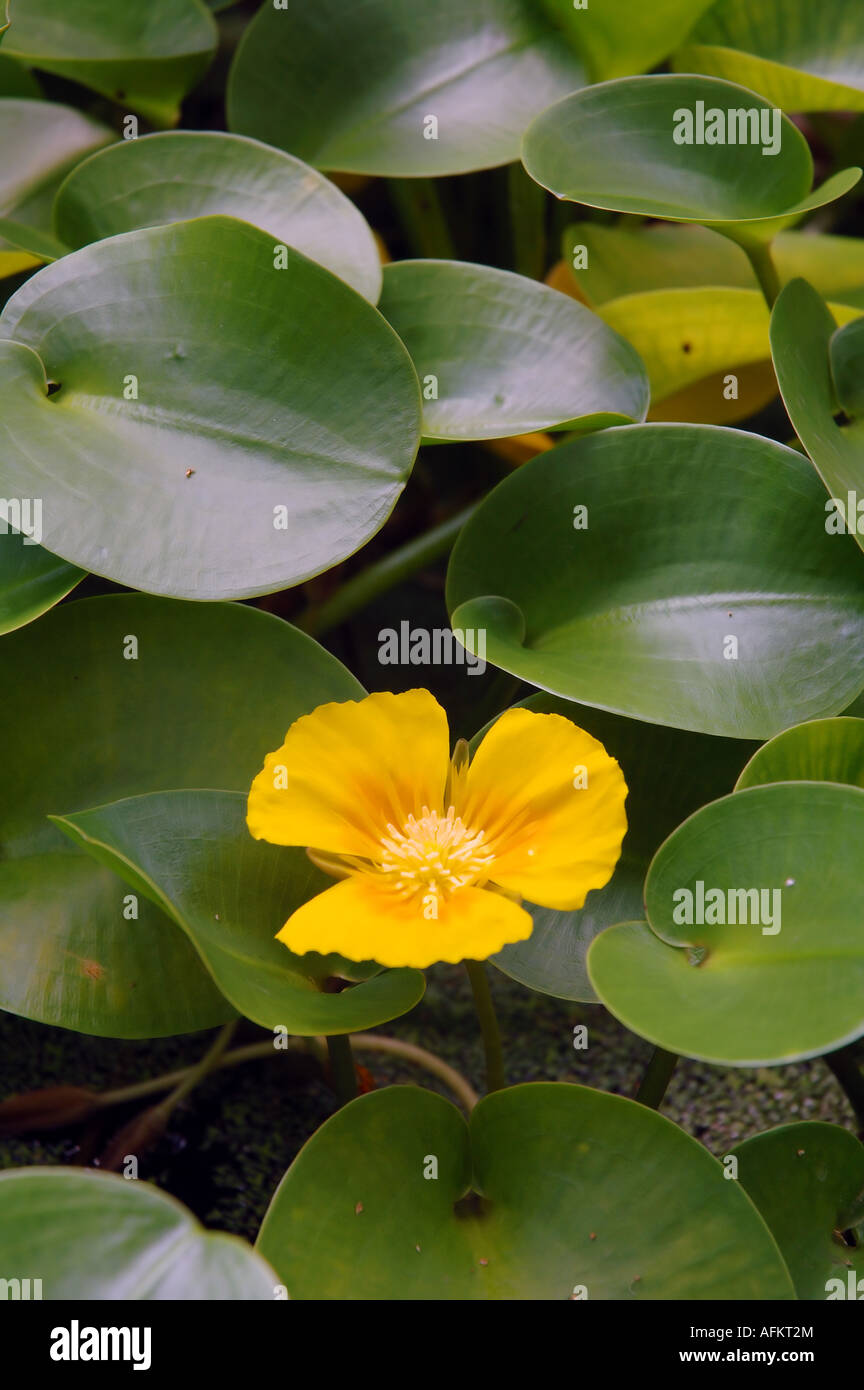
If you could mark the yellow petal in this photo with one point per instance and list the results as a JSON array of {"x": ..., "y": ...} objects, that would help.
[
  {"x": 346, "y": 770},
  {"x": 551, "y": 802},
  {"x": 363, "y": 919}
]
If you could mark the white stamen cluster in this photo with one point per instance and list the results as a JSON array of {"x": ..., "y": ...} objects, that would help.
[{"x": 433, "y": 854}]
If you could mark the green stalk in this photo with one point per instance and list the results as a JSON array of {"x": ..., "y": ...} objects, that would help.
[
  {"x": 384, "y": 574},
  {"x": 658, "y": 1073},
  {"x": 488, "y": 1025},
  {"x": 759, "y": 255},
  {"x": 343, "y": 1073},
  {"x": 527, "y": 203},
  {"x": 418, "y": 204}
]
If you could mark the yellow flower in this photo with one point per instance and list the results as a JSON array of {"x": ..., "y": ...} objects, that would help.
[{"x": 419, "y": 839}]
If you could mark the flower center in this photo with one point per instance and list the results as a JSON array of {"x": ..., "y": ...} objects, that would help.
[{"x": 433, "y": 854}]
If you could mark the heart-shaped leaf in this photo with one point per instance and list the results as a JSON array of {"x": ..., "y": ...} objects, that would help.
[
  {"x": 31, "y": 579},
  {"x": 121, "y": 696},
  {"x": 41, "y": 141},
  {"x": 145, "y": 57},
  {"x": 801, "y": 56},
  {"x": 824, "y": 750},
  {"x": 802, "y": 330},
  {"x": 180, "y": 174},
  {"x": 80, "y": 1234},
  {"x": 807, "y": 1182},
  {"x": 384, "y": 88},
  {"x": 380, "y": 1201},
  {"x": 499, "y": 354},
  {"x": 788, "y": 981},
  {"x": 679, "y": 574},
  {"x": 618, "y": 37},
  {"x": 669, "y": 774},
  {"x": 191, "y": 853},
  {"x": 644, "y": 145},
  {"x": 235, "y": 387}
]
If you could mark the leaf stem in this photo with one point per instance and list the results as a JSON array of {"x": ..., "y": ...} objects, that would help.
[
  {"x": 527, "y": 203},
  {"x": 759, "y": 255},
  {"x": 384, "y": 574},
  {"x": 418, "y": 204},
  {"x": 844, "y": 1064},
  {"x": 658, "y": 1073},
  {"x": 488, "y": 1024},
  {"x": 343, "y": 1072}
]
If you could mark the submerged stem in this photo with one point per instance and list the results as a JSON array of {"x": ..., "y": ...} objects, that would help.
[
  {"x": 343, "y": 1072},
  {"x": 488, "y": 1024},
  {"x": 658, "y": 1073},
  {"x": 385, "y": 574}
]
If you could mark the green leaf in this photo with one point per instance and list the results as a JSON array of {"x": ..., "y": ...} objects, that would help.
[
  {"x": 191, "y": 853},
  {"x": 669, "y": 775},
  {"x": 632, "y": 162},
  {"x": 145, "y": 57},
  {"x": 352, "y": 87},
  {"x": 212, "y": 689},
  {"x": 31, "y": 579},
  {"x": 618, "y": 37},
  {"x": 807, "y": 1182},
  {"x": 691, "y": 536},
  {"x": 800, "y": 56},
  {"x": 686, "y": 336},
  {"x": 559, "y": 1207},
  {"x": 802, "y": 330},
  {"x": 181, "y": 174},
  {"x": 278, "y": 394},
  {"x": 499, "y": 354},
  {"x": 748, "y": 995},
  {"x": 96, "y": 1236},
  {"x": 41, "y": 142},
  {"x": 824, "y": 750},
  {"x": 627, "y": 260},
  {"x": 846, "y": 351}
]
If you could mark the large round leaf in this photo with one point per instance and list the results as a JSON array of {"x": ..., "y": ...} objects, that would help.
[
  {"x": 807, "y": 1181},
  {"x": 88, "y": 1235},
  {"x": 180, "y": 174},
  {"x": 191, "y": 853},
  {"x": 17, "y": 81},
  {"x": 41, "y": 141},
  {"x": 212, "y": 689},
  {"x": 679, "y": 574},
  {"x": 824, "y": 750},
  {"x": 801, "y": 56},
  {"x": 389, "y": 88},
  {"x": 617, "y": 37},
  {"x": 31, "y": 579},
  {"x": 614, "y": 146},
  {"x": 669, "y": 775},
  {"x": 200, "y": 383},
  {"x": 372, "y": 1206},
  {"x": 788, "y": 982},
  {"x": 146, "y": 57},
  {"x": 802, "y": 329},
  {"x": 505, "y": 355}
]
